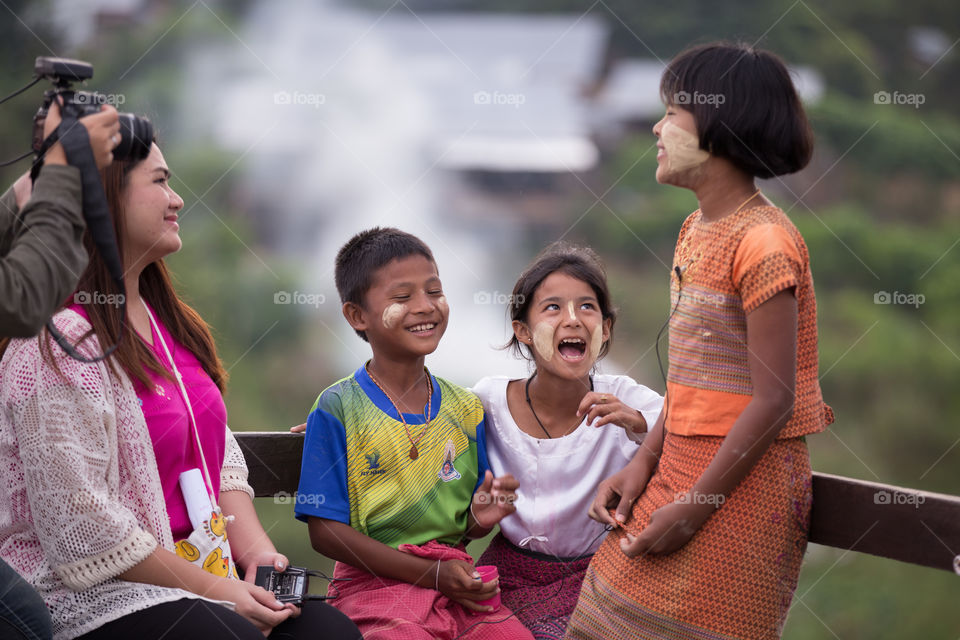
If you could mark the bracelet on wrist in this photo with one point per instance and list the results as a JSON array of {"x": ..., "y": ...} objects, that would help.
[{"x": 476, "y": 523}]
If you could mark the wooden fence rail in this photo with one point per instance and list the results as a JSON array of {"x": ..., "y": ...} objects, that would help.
[{"x": 903, "y": 524}]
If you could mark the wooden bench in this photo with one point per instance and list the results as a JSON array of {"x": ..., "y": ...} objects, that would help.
[{"x": 903, "y": 524}]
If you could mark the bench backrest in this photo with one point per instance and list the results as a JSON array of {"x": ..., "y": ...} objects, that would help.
[{"x": 918, "y": 527}]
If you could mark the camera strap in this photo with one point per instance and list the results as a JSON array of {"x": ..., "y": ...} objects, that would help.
[
  {"x": 38, "y": 163},
  {"x": 76, "y": 145}
]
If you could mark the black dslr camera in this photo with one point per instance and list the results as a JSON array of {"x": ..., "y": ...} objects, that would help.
[{"x": 136, "y": 134}]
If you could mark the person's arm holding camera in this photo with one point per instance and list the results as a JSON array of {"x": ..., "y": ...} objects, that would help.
[{"x": 41, "y": 248}]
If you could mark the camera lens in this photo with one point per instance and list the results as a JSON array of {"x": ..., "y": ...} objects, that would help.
[{"x": 136, "y": 135}]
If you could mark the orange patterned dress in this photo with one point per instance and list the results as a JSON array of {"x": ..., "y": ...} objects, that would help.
[{"x": 736, "y": 576}]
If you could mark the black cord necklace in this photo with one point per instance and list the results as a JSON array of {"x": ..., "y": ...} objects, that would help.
[{"x": 526, "y": 391}]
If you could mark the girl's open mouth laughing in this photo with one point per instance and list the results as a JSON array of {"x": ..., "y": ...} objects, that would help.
[{"x": 572, "y": 349}]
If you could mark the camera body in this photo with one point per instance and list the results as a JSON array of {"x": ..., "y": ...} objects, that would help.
[
  {"x": 291, "y": 584},
  {"x": 288, "y": 586},
  {"x": 136, "y": 134}
]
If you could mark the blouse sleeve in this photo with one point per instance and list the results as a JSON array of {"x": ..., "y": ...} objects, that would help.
[
  {"x": 645, "y": 400},
  {"x": 767, "y": 261},
  {"x": 65, "y": 424},
  {"x": 233, "y": 475}
]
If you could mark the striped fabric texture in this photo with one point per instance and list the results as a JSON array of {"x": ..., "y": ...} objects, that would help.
[
  {"x": 729, "y": 268},
  {"x": 356, "y": 466}
]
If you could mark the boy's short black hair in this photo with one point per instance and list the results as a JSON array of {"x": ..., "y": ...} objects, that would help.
[
  {"x": 745, "y": 106},
  {"x": 364, "y": 253}
]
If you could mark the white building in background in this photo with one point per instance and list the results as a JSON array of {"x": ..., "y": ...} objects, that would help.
[{"x": 508, "y": 91}]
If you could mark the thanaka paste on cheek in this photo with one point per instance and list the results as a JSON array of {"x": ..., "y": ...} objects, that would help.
[
  {"x": 543, "y": 340},
  {"x": 442, "y": 305},
  {"x": 393, "y": 313},
  {"x": 682, "y": 147},
  {"x": 596, "y": 342}
]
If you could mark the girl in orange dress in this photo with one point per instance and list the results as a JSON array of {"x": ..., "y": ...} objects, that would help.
[{"x": 712, "y": 513}]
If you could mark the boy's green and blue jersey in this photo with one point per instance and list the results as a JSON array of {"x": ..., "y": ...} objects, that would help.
[{"x": 356, "y": 467}]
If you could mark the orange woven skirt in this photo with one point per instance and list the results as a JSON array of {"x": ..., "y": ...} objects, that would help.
[{"x": 736, "y": 576}]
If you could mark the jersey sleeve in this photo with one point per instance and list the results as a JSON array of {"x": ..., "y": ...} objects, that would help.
[
  {"x": 767, "y": 261},
  {"x": 323, "y": 471}
]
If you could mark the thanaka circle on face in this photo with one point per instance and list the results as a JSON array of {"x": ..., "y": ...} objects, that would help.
[
  {"x": 682, "y": 148},
  {"x": 393, "y": 313},
  {"x": 596, "y": 342},
  {"x": 543, "y": 335}
]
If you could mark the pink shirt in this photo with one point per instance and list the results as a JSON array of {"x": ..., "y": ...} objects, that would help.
[{"x": 169, "y": 423}]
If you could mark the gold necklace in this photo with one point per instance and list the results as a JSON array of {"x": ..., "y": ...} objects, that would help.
[
  {"x": 688, "y": 261},
  {"x": 413, "y": 443}
]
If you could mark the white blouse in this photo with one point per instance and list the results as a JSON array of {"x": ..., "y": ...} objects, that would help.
[{"x": 559, "y": 476}]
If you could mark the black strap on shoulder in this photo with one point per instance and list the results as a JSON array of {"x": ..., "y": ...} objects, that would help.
[{"x": 76, "y": 145}]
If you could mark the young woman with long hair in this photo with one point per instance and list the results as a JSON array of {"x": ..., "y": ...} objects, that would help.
[{"x": 91, "y": 508}]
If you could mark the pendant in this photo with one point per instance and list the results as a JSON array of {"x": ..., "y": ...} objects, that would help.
[{"x": 413, "y": 452}]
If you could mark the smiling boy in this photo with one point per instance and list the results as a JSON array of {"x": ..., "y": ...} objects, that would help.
[{"x": 394, "y": 472}]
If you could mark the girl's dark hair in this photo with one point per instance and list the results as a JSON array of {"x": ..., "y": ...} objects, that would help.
[
  {"x": 578, "y": 262},
  {"x": 744, "y": 104}
]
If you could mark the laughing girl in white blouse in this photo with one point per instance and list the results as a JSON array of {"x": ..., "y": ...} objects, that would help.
[{"x": 560, "y": 432}]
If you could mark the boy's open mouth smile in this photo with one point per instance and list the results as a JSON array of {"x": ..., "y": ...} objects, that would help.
[
  {"x": 422, "y": 328},
  {"x": 572, "y": 349}
]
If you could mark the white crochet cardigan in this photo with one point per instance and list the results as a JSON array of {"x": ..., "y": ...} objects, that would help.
[{"x": 80, "y": 494}]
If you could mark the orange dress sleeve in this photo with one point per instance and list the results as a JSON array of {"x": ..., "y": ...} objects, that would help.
[{"x": 766, "y": 262}]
